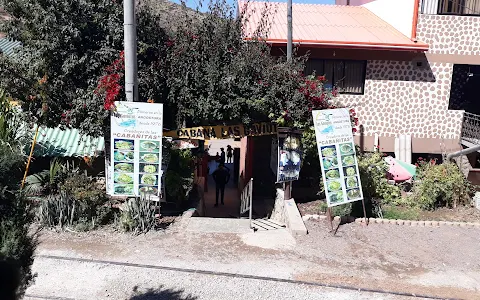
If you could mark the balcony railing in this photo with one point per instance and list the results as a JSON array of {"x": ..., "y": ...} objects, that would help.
[
  {"x": 471, "y": 129},
  {"x": 451, "y": 7}
]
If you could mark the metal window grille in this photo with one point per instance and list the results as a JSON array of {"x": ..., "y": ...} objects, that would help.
[
  {"x": 459, "y": 7},
  {"x": 348, "y": 76},
  {"x": 471, "y": 128}
]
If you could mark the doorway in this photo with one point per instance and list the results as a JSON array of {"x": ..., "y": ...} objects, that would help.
[{"x": 231, "y": 207}]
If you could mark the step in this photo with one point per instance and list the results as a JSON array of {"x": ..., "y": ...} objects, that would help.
[{"x": 218, "y": 225}]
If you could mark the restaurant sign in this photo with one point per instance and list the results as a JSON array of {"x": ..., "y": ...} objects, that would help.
[
  {"x": 136, "y": 149},
  {"x": 222, "y": 132},
  {"x": 336, "y": 149},
  {"x": 289, "y": 156}
]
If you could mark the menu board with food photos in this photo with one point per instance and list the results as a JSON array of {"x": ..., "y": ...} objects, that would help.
[
  {"x": 290, "y": 154},
  {"x": 136, "y": 148},
  {"x": 336, "y": 149}
]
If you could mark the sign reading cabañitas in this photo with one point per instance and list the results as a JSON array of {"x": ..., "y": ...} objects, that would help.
[
  {"x": 136, "y": 149},
  {"x": 333, "y": 130},
  {"x": 222, "y": 132}
]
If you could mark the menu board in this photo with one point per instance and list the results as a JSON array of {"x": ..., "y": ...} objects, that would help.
[
  {"x": 336, "y": 149},
  {"x": 289, "y": 157},
  {"x": 136, "y": 148}
]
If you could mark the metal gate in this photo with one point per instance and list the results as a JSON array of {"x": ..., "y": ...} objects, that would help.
[{"x": 246, "y": 200}]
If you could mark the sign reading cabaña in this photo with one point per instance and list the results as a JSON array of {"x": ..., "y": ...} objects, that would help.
[{"x": 222, "y": 132}]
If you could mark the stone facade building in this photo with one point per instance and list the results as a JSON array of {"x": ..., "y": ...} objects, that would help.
[{"x": 407, "y": 67}]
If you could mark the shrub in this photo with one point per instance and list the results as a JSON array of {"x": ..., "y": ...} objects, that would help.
[
  {"x": 79, "y": 203},
  {"x": 440, "y": 185},
  {"x": 179, "y": 176},
  {"x": 137, "y": 215},
  {"x": 48, "y": 181},
  {"x": 373, "y": 169},
  {"x": 17, "y": 245},
  {"x": 342, "y": 210}
]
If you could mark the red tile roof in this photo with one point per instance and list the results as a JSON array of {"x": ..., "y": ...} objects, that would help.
[{"x": 329, "y": 26}]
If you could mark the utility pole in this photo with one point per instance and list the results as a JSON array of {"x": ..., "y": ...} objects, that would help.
[
  {"x": 289, "y": 30},
  {"x": 287, "y": 187},
  {"x": 130, "y": 54}
]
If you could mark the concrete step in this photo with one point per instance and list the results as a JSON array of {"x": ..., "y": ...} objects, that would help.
[{"x": 218, "y": 225}]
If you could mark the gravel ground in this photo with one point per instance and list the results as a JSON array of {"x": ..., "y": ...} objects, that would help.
[
  {"x": 98, "y": 281},
  {"x": 442, "y": 262}
]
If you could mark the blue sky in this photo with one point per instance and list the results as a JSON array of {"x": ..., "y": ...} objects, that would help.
[{"x": 193, "y": 3}]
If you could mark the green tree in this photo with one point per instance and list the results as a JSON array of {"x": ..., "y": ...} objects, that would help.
[
  {"x": 73, "y": 43},
  {"x": 225, "y": 78},
  {"x": 199, "y": 65}
]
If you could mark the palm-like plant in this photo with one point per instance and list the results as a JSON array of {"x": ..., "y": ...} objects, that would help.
[
  {"x": 11, "y": 131},
  {"x": 48, "y": 181}
]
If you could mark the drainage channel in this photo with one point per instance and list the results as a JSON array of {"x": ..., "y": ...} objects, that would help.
[{"x": 233, "y": 275}]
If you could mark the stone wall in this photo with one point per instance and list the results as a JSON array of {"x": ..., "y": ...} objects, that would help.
[
  {"x": 403, "y": 97},
  {"x": 278, "y": 213},
  {"x": 437, "y": 31}
]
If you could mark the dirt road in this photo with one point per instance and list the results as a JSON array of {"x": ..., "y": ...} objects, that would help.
[{"x": 437, "y": 262}]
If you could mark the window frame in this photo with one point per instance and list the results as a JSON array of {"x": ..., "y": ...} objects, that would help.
[
  {"x": 364, "y": 72},
  {"x": 442, "y": 12}
]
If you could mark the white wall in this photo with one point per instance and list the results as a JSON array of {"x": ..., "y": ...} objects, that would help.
[{"x": 398, "y": 13}]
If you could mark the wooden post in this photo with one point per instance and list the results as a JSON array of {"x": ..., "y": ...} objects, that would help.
[
  {"x": 329, "y": 218},
  {"x": 364, "y": 212},
  {"x": 287, "y": 186},
  {"x": 30, "y": 156}
]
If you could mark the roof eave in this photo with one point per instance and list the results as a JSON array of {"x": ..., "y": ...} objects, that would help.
[
  {"x": 419, "y": 47},
  {"x": 385, "y": 47}
]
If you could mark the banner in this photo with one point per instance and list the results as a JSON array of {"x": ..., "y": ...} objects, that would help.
[
  {"x": 289, "y": 157},
  {"x": 222, "y": 132},
  {"x": 136, "y": 149},
  {"x": 336, "y": 149}
]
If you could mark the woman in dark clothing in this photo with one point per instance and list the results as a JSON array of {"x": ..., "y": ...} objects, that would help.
[{"x": 229, "y": 154}]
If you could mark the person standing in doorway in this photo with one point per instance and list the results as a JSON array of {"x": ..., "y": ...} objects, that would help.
[
  {"x": 222, "y": 156},
  {"x": 221, "y": 176},
  {"x": 229, "y": 154},
  {"x": 217, "y": 160}
]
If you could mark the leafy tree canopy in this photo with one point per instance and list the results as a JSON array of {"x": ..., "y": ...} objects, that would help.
[
  {"x": 70, "y": 44},
  {"x": 198, "y": 65}
]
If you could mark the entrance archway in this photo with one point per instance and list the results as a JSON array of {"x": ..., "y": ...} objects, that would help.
[{"x": 251, "y": 157}]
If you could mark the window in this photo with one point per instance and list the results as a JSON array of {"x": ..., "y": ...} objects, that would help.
[
  {"x": 347, "y": 75},
  {"x": 459, "y": 7}
]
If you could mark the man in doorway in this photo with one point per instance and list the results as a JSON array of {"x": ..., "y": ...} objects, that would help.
[
  {"x": 222, "y": 156},
  {"x": 221, "y": 176}
]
